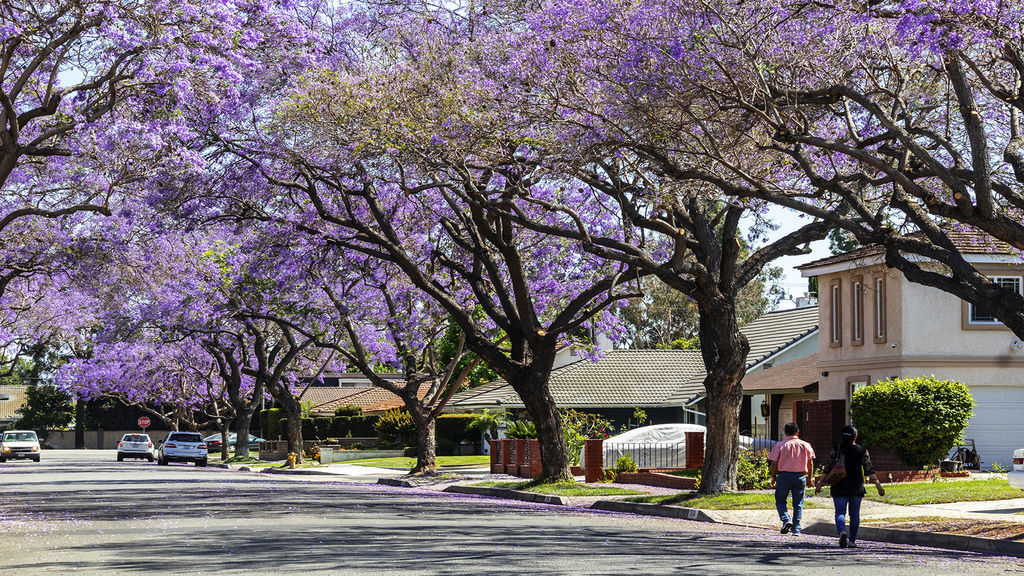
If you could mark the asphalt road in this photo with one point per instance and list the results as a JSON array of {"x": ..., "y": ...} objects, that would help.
[{"x": 84, "y": 513}]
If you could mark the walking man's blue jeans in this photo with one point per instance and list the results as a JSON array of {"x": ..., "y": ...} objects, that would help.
[
  {"x": 787, "y": 483},
  {"x": 841, "y": 503}
]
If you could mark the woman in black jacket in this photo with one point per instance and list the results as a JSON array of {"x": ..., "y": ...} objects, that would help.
[{"x": 848, "y": 492}]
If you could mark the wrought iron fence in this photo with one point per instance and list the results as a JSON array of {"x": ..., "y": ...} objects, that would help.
[{"x": 655, "y": 456}]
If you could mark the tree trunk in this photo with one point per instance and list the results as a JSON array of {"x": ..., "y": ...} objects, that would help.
[
  {"x": 426, "y": 444},
  {"x": 225, "y": 428},
  {"x": 724, "y": 350},
  {"x": 293, "y": 410},
  {"x": 79, "y": 424},
  {"x": 535, "y": 392},
  {"x": 243, "y": 423}
]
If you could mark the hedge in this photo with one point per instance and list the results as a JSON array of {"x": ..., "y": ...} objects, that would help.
[
  {"x": 454, "y": 427},
  {"x": 919, "y": 419},
  {"x": 450, "y": 428}
]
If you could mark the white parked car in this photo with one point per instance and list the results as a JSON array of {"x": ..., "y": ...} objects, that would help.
[
  {"x": 135, "y": 446},
  {"x": 19, "y": 444},
  {"x": 1016, "y": 474},
  {"x": 182, "y": 447},
  {"x": 659, "y": 445}
]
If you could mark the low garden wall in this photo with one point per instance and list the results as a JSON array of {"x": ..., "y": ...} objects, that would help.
[{"x": 329, "y": 455}]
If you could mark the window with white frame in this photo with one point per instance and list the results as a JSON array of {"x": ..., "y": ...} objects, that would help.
[
  {"x": 879, "y": 308},
  {"x": 978, "y": 316},
  {"x": 858, "y": 311},
  {"x": 856, "y": 385},
  {"x": 836, "y": 312}
]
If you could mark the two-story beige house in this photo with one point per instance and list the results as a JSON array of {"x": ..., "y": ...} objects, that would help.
[{"x": 874, "y": 324}]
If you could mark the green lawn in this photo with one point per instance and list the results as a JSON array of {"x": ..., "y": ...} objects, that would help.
[
  {"x": 408, "y": 463},
  {"x": 561, "y": 489},
  {"x": 905, "y": 494},
  {"x": 725, "y": 501},
  {"x": 944, "y": 491}
]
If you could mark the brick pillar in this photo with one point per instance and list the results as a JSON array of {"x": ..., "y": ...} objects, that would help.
[
  {"x": 506, "y": 456},
  {"x": 519, "y": 457},
  {"x": 694, "y": 450},
  {"x": 495, "y": 456},
  {"x": 535, "y": 466},
  {"x": 593, "y": 464}
]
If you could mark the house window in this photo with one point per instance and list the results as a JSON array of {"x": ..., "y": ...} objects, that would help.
[
  {"x": 835, "y": 308},
  {"x": 978, "y": 316},
  {"x": 858, "y": 311},
  {"x": 880, "y": 309},
  {"x": 856, "y": 385}
]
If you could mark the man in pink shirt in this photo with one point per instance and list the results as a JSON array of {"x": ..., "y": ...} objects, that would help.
[{"x": 792, "y": 463}]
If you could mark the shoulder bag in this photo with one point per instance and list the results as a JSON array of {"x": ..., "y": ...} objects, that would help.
[{"x": 837, "y": 473}]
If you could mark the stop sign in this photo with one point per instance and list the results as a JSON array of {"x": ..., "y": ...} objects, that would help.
[{"x": 143, "y": 422}]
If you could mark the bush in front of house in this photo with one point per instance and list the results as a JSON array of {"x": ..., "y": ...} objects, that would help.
[
  {"x": 396, "y": 429},
  {"x": 753, "y": 471},
  {"x": 456, "y": 428},
  {"x": 918, "y": 419},
  {"x": 349, "y": 410}
]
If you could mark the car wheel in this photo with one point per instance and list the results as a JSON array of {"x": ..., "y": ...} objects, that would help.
[
  {"x": 120, "y": 457},
  {"x": 36, "y": 459},
  {"x": 200, "y": 462},
  {"x": 150, "y": 458},
  {"x": 161, "y": 462},
  {"x": 2, "y": 459}
]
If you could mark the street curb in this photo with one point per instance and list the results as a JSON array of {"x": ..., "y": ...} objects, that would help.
[
  {"x": 652, "y": 510},
  {"x": 296, "y": 472},
  {"x": 507, "y": 494},
  {"x": 959, "y": 542}
]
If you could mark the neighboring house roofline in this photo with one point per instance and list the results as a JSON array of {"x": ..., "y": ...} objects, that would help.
[{"x": 779, "y": 351}]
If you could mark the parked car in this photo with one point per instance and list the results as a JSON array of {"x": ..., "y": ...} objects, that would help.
[
  {"x": 1016, "y": 474},
  {"x": 135, "y": 446},
  {"x": 19, "y": 444},
  {"x": 182, "y": 447},
  {"x": 661, "y": 445},
  {"x": 213, "y": 441}
]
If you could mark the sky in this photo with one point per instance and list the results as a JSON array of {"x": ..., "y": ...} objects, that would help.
[{"x": 794, "y": 284}]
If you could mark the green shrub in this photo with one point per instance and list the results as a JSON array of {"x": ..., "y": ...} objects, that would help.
[
  {"x": 753, "y": 471},
  {"x": 308, "y": 431},
  {"x": 918, "y": 419},
  {"x": 358, "y": 446},
  {"x": 456, "y": 428},
  {"x": 339, "y": 427},
  {"x": 624, "y": 464},
  {"x": 396, "y": 429},
  {"x": 349, "y": 410},
  {"x": 270, "y": 423},
  {"x": 410, "y": 451},
  {"x": 521, "y": 429},
  {"x": 363, "y": 426},
  {"x": 446, "y": 447},
  {"x": 578, "y": 427},
  {"x": 321, "y": 428}
]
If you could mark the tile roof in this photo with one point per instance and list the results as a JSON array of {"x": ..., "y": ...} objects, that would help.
[
  {"x": 619, "y": 378},
  {"x": 15, "y": 399},
  {"x": 370, "y": 398},
  {"x": 967, "y": 241},
  {"x": 320, "y": 395},
  {"x": 795, "y": 374},
  {"x": 775, "y": 331}
]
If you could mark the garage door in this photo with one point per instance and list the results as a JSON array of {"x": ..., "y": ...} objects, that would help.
[{"x": 998, "y": 423}]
